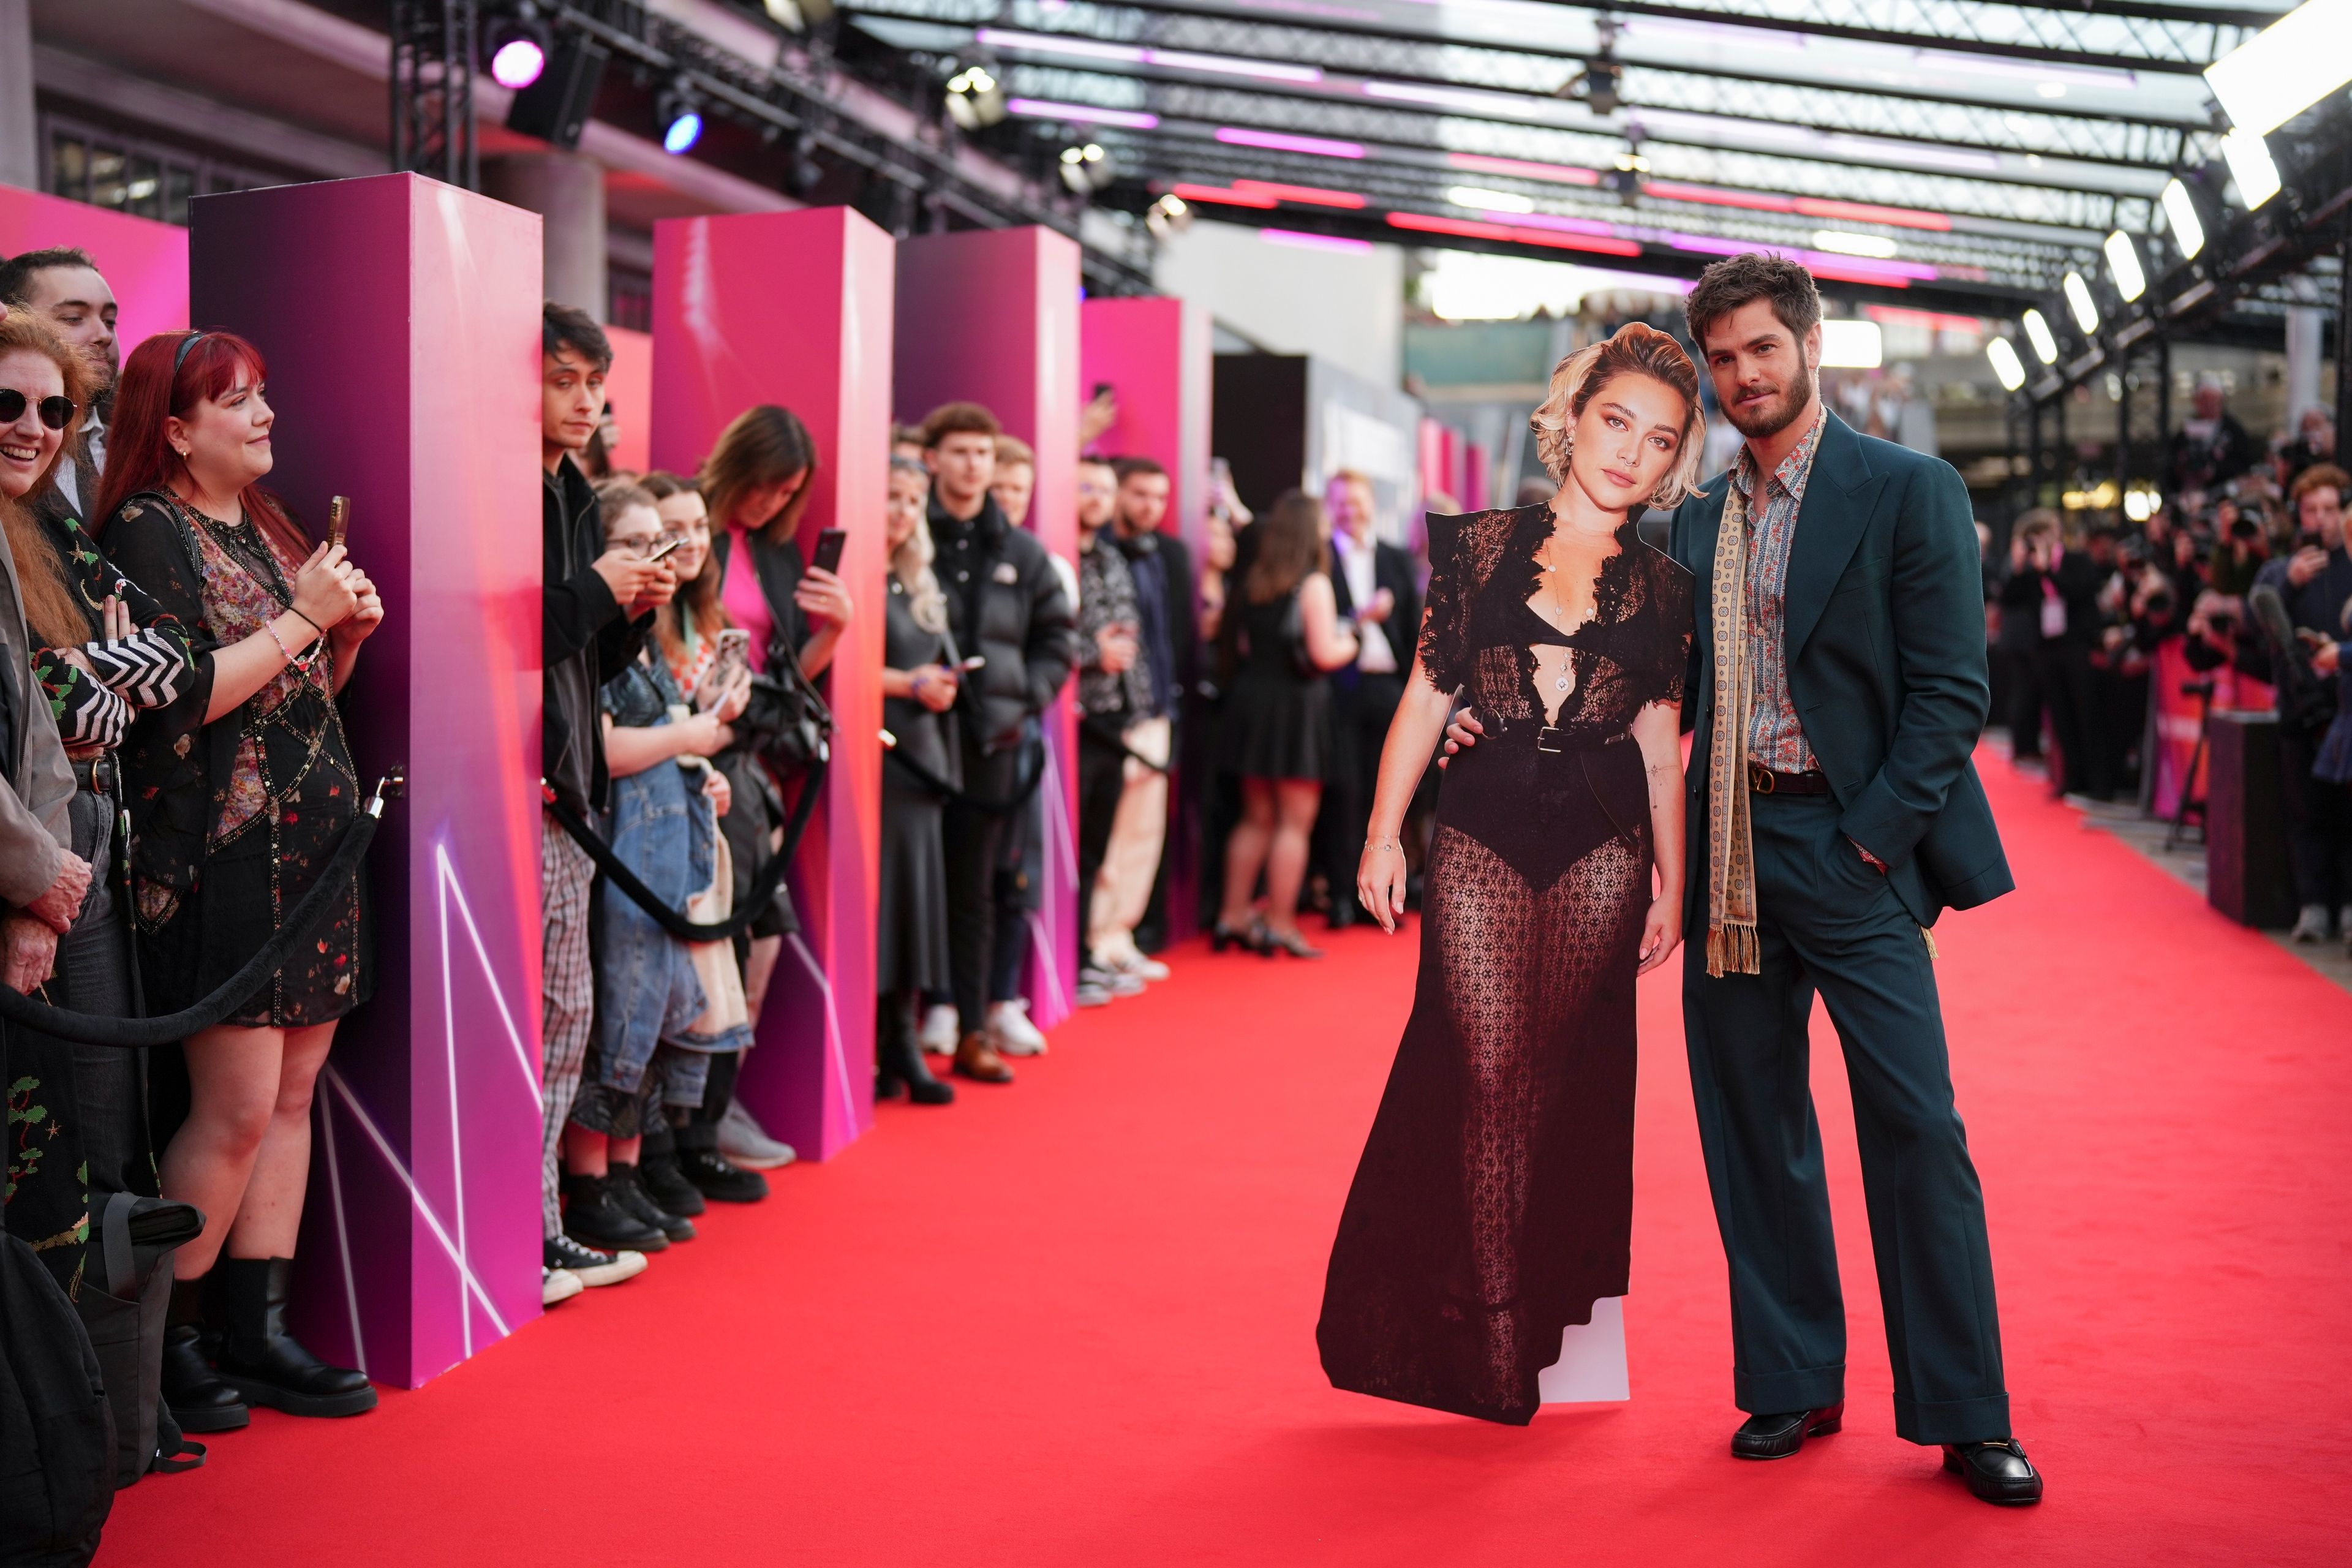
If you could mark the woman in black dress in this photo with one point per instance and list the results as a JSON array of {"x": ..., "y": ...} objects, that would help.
[
  {"x": 238, "y": 791},
  {"x": 1494, "y": 1203},
  {"x": 1277, "y": 721},
  {"x": 919, "y": 693}
]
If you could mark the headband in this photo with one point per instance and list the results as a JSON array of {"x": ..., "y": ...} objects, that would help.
[{"x": 186, "y": 343}]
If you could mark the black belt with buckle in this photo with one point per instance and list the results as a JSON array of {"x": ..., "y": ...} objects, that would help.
[
  {"x": 97, "y": 772},
  {"x": 1548, "y": 741},
  {"x": 1770, "y": 781}
]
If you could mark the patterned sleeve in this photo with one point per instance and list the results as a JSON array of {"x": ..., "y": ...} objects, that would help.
[
  {"x": 1445, "y": 612},
  {"x": 88, "y": 713},
  {"x": 145, "y": 542},
  {"x": 1671, "y": 587}
]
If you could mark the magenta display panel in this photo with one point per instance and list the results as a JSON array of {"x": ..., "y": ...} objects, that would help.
[
  {"x": 145, "y": 262},
  {"x": 992, "y": 316},
  {"x": 400, "y": 320},
  {"x": 795, "y": 308},
  {"x": 629, "y": 395}
]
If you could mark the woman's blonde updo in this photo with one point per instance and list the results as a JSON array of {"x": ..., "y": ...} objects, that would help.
[{"x": 1634, "y": 350}]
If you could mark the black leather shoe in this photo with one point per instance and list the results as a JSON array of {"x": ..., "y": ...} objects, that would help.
[
  {"x": 264, "y": 1363},
  {"x": 596, "y": 1215},
  {"x": 899, "y": 1061},
  {"x": 198, "y": 1399},
  {"x": 668, "y": 1185},
  {"x": 1997, "y": 1471},
  {"x": 1779, "y": 1436},
  {"x": 720, "y": 1179},
  {"x": 629, "y": 1185}
]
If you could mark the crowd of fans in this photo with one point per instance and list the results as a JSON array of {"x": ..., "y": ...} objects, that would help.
[{"x": 2241, "y": 564}]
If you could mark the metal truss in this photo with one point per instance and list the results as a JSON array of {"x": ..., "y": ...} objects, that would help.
[{"x": 433, "y": 50}]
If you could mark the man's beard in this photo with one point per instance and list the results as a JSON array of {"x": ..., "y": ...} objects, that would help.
[{"x": 1774, "y": 417}]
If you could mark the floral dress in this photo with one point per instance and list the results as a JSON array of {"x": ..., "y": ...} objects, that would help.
[{"x": 232, "y": 821}]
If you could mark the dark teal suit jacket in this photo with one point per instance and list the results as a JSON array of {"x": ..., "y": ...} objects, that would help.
[{"x": 1885, "y": 617}]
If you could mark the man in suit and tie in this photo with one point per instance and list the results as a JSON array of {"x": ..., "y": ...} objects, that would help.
[
  {"x": 65, "y": 285},
  {"x": 1373, "y": 583}
]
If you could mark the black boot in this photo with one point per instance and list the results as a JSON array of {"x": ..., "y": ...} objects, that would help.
[
  {"x": 899, "y": 1058},
  {"x": 596, "y": 1215},
  {"x": 714, "y": 1176},
  {"x": 199, "y": 1400},
  {"x": 665, "y": 1183},
  {"x": 628, "y": 1184},
  {"x": 268, "y": 1365}
]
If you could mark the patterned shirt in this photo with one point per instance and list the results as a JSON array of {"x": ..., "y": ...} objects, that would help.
[{"x": 1775, "y": 737}]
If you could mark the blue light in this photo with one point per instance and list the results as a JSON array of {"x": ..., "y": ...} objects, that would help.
[{"x": 683, "y": 131}]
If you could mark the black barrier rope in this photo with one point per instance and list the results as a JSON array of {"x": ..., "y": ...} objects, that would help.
[
  {"x": 91, "y": 1029},
  {"x": 952, "y": 796},
  {"x": 764, "y": 886},
  {"x": 1101, "y": 731}
]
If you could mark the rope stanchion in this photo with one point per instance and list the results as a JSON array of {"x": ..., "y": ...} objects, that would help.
[
  {"x": 130, "y": 1033},
  {"x": 1110, "y": 737},
  {"x": 950, "y": 794}
]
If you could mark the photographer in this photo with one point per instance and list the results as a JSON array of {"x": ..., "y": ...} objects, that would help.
[{"x": 2055, "y": 592}]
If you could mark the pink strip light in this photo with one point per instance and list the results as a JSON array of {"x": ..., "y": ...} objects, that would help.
[
  {"x": 1515, "y": 231},
  {"x": 1810, "y": 206},
  {"x": 1224, "y": 198},
  {"x": 1559, "y": 173},
  {"x": 1315, "y": 146},
  {"x": 1080, "y": 114},
  {"x": 1821, "y": 264}
]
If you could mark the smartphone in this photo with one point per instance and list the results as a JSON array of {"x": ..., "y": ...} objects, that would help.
[
  {"x": 975, "y": 662},
  {"x": 1104, "y": 389},
  {"x": 666, "y": 549},
  {"x": 828, "y": 549},
  {"x": 338, "y": 519},
  {"x": 727, "y": 666}
]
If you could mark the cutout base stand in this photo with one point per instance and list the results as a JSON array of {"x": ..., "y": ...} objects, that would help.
[{"x": 1592, "y": 1365}]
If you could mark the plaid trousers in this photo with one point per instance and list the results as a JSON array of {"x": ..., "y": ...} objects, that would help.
[{"x": 568, "y": 989}]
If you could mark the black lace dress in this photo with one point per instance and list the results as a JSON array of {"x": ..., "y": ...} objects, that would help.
[{"x": 1494, "y": 1203}]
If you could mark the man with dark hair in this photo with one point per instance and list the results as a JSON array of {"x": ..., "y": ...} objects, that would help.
[
  {"x": 65, "y": 285},
  {"x": 1006, "y": 607},
  {"x": 1168, "y": 629},
  {"x": 596, "y": 606}
]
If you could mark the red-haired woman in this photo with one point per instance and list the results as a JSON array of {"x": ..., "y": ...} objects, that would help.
[{"x": 239, "y": 791}]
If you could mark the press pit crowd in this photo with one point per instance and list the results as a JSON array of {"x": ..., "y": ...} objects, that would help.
[
  {"x": 2241, "y": 571},
  {"x": 180, "y": 777}
]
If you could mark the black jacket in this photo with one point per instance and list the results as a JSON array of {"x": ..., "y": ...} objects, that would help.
[
  {"x": 2078, "y": 579},
  {"x": 584, "y": 640},
  {"x": 1005, "y": 603},
  {"x": 1180, "y": 671},
  {"x": 1393, "y": 569}
]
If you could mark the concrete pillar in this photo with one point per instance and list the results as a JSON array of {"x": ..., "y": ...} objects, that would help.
[
  {"x": 2305, "y": 325},
  {"x": 20, "y": 152},
  {"x": 567, "y": 191}
]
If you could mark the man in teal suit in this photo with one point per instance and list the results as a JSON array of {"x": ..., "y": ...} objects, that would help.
[{"x": 1837, "y": 687}]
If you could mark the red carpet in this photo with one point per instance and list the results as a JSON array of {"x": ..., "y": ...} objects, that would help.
[{"x": 1072, "y": 1321}]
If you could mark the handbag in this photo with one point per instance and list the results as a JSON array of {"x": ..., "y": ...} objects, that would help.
[
  {"x": 793, "y": 725},
  {"x": 136, "y": 1238}
]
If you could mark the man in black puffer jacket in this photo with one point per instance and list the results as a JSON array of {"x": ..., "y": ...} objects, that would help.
[{"x": 1005, "y": 605}]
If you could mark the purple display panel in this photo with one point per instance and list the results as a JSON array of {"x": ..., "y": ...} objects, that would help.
[
  {"x": 794, "y": 309},
  {"x": 400, "y": 320},
  {"x": 1155, "y": 353},
  {"x": 145, "y": 262},
  {"x": 992, "y": 316}
]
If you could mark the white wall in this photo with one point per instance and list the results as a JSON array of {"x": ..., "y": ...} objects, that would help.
[{"x": 1346, "y": 307}]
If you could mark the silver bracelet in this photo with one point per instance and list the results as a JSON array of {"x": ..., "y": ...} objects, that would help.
[{"x": 1395, "y": 844}]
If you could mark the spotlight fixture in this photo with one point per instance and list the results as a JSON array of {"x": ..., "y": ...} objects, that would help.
[
  {"x": 1481, "y": 200},
  {"x": 2005, "y": 364},
  {"x": 2181, "y": 212},
  {"x": 1845, "y": 244},
  {"x": 975, "y": 98},
  {"x": 1168, "y": 216},
  {"x": 556, "y": 107},
  {"x": 2078, "y": 299},
  {"x": 679, "y": 118},
  {"x": 2250, "y": 166},
  {"x": 1088, "y": 169},
  {"x": 2284, "y": 68},
  {"x": 2122, "y": 264},
  {"x": 1601, "y": 83},
  {"x": 517, "y": 45},
  {"x": 2037, "y": 333}
]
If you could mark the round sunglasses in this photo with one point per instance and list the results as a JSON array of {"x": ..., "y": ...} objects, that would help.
[{"x": 55, "y": 413}]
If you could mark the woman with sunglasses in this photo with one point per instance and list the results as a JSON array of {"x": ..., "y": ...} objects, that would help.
[{"x": 240, "y": 789}]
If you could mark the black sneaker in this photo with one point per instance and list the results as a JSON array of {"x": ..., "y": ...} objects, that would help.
[
  {"x": 596, "y": 1214},
  {"x": 628, "y": 1185},
  {"x": 668, "y": 1185},
  {"x": 594, "y": 1267},
  {"x": 718, "y": 1180}
]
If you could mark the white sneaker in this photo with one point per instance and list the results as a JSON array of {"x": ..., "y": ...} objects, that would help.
[
  {"x": 1140, "y": 966},
  {"x": 938, "y": 1034},
  {"x": 745, "y": 1143},
  {"x": 558, "y": 1285},
  {"x": 2311, "y": 925},
  {"x": 1015, "y": 1035}
]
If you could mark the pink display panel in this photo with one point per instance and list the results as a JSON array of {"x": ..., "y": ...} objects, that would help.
[
  {"x": 1155, "y": 354},
  {"x": 795, "y": 308},
  {"x": 629, "y": 394},
  {"x": 400, "y": 319},
  {"x": 992, "y": 316},
  {"x": 145, "y": 262}
]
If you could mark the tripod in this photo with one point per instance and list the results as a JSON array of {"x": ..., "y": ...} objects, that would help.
[{"x": 2190, "y": 801}]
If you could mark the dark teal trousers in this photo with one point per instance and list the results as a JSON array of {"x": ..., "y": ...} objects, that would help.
[{"x": 1827, "y": 923}]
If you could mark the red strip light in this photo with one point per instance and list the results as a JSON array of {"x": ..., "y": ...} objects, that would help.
[
  {"x": 1224, "y": 198},
  {"x": 1560, "y": 174},
  {"x": 1469, "y": 228},
  {"x": 1312, "y": 196},
  {"x": 1670, "y": 191},
  {"x": 1862, "y": 212}
]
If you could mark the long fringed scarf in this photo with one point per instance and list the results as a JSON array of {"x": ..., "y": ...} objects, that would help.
[{"x": 1730, "y": 845}]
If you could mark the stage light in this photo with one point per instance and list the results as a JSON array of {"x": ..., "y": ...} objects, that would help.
[
  {"x": 2078, "y": 299},
  {"x": 518, "y": 46},
  {"x": 1087, "y": 169},
  {"x": 1488, "y": 201},
  {"x": 679, "y": 118},
  {"x": 2005, "y": 364},
  {"x": 2284, "y": 68},
  {"x": 2037, "y": 333},
  {"x": 2250, "y": 166},
  {"x": 1845, "y": 244},
  {"x": 975, "y": 98},
  {"x": 1168, "y": 216},
  {"x": 1852, "y": 346},
  {"x": 2181, "y": 212},
  {"x": 2123, "y": 262}
]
